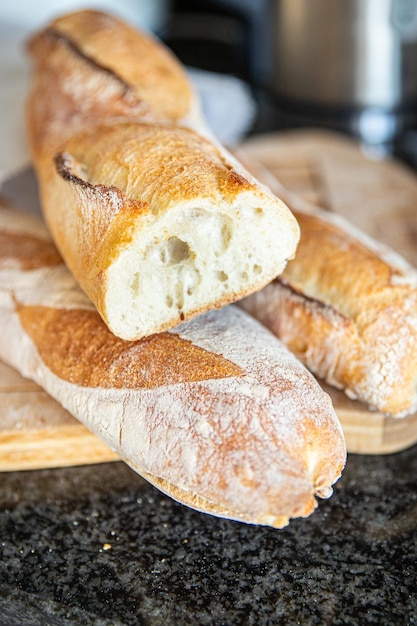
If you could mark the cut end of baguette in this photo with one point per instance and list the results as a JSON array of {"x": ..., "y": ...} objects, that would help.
[
  {"x": 197, "y": 257},
  {"x": 186, "y": 231}
]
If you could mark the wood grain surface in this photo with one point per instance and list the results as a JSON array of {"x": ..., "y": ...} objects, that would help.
[
  {"x": 379, "y": 196},
  {"x": 36, "y": 432}
]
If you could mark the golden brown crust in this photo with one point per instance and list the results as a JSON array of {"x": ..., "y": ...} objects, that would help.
[
  {"x": 141, "y": 63},
  {"x": 85, "y": 73},
  {"x": 156, "y": 165},
  {"x": 86, "y": 94},
  {"x": 332, "y": 277},
  {"x": 348, "y": 309},
  {"x": 108, "y": 362}
]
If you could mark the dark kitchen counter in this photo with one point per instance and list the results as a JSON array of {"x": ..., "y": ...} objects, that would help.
[{"x": 96, "y": 545}]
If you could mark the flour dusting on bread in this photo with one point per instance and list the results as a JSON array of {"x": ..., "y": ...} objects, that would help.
[{"x": 216, "y": 412}]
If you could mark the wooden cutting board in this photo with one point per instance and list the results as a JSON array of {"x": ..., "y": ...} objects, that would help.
[
  {"x": 36, "y": 432},
  {"x": 323, "y": 168}
]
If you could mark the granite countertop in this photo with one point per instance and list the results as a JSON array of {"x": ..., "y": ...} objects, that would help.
[{"x": 97, "y": 545}]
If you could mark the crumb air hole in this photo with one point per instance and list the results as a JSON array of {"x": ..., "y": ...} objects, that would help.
[
  {"x": 174, "y": 251},
  {"x": 135, "y": 286}
]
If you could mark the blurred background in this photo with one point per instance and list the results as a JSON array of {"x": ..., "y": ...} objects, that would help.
[
  {"x": 349, "y": 65},
  {"x": 262, "y": 65}
]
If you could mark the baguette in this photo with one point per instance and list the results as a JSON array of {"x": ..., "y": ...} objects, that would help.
[
  {"x": 157, "y": 222},
  {"x": 216, "y": 413},
  {"x": 346, "y": 306}
]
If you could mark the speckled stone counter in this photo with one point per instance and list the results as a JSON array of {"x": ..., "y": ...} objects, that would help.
[{"x": 98, "y": 546}]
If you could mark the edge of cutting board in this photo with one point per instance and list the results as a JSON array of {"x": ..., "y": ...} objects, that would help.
[{"x": 57, "y": 446}]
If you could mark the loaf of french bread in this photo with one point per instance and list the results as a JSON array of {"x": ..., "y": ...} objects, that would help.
[
  {"x": 346, "y": 306},
  {"x": 157, "y": 221},
  {"x": 217, "y": 413}
]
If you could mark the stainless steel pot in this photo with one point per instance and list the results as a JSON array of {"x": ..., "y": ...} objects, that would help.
[{"x": 360, "y": 53}]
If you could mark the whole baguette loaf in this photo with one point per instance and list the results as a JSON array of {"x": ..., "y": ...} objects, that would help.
[
  {"x": 217, "y": 413},
  {"x": 346, "y": 306},
  {"x": 157, "y": 221}
]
